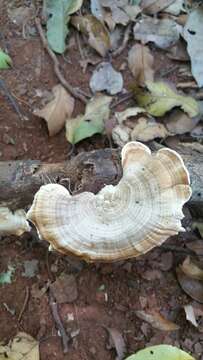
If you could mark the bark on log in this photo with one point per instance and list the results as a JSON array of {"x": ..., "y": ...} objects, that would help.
[{"x": 90, "y": 171}]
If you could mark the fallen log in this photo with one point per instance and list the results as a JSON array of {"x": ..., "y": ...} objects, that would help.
[{"x": 88, "y": 171}]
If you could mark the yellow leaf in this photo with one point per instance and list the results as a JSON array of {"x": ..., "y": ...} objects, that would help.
[
  {"x": 161, "y": 352},
  {"x": 161, "y": 98}
]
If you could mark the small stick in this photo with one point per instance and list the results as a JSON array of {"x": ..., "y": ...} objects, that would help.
[
  {"x": 58, "y": 322},
  {"x": 50, "y": 275},
  {"x": 27, "y": 295},
  {"x": 56, "y": 63},
  {"x": 10, "y": 98},
  {"x": 124, "y": 42},
  {"x": 82, "y": 55},
  {"x": 128, "y": 96},
  {"x": 186, "y": 85}
]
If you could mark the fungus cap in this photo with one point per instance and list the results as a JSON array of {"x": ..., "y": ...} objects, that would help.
[{"x": 121, "y": 221}]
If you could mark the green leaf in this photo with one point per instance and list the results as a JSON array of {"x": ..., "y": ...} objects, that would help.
[
  {"x": 5, "y": 277},
  {"x": 5, "y": 60},
  {"x": 92, "y": 122},
  {"x": 161, "y": 98},
  {"x": 161, "y": 352},
  {"x": 57, "y": 29}
]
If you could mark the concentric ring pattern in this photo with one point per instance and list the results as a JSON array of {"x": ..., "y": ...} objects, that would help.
[{"x": 121, "y": 221}]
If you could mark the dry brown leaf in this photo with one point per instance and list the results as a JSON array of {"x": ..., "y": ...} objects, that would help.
[
  {"x": 191, "y": 269},
  {"x": 148, "y": 129},
  {"x": 97, "y": 35},
  {"x": 116, "y": 341},
  {"x": 57, "y": 110},
  {"x": 140, "y": 62},
  {"x": 23, "y": 346},
  {"x": 178, "y": 122},
  {"x": 196, "y": 246},
  {"x": 140, "y": 129},
  {"x": 192, "y": 287},
  {"x": 157, "y": 320},
  {"x": 178, "y": 52},
  {"x": 190, "y": 315},
  {"x": 152, "y": 7}
]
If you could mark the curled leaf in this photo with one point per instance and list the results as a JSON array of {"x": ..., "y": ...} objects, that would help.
[
  {"x": 192, "y": 287},
  {"x": 190, "y": 315},
  {"x": 140, "y": 62},
  {"x": 97, "y": 35},
  {"x": 116, "y": 341},
  {"x": 5, "y": 60},
  {"x": 154, "y": 318},
  {"x": 161, "y": 98},
  {"x": 147, "y": 130},
  {"x": 13, "y": 222},
  {"x": 133, "y": 126},
  {"x": 57, "y": 110},
  {"x": 191, "y": 269},
  {"x": 92, "y": 122},
  {"x": 161, "y": 352},
  {"x": 130, "y": 112}
]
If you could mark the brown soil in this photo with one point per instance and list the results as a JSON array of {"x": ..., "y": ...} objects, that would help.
[{"x": 108, "y": 294}]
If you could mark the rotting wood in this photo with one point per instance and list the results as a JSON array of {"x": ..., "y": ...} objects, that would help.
[{"x": 88, "y": 171}]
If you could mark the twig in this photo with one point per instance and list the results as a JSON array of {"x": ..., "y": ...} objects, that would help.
[
  {"x": 124, "y": 42},
  {"x": 187, "y": 85},
  {"x": 50, "y": 275},
  {"x": 127, "y": 96},
  {"x": 58, "y": 322},
  {"x": 11, "y": 98},
  {"x": 170, "y": 70},
  {"x": 82, "y": 55},
  {"x": 27, "y": 295},
  {"x": 56, "y": 63}
]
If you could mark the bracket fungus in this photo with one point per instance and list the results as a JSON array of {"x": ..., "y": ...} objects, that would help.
[{"x": 121, "y": 221}]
